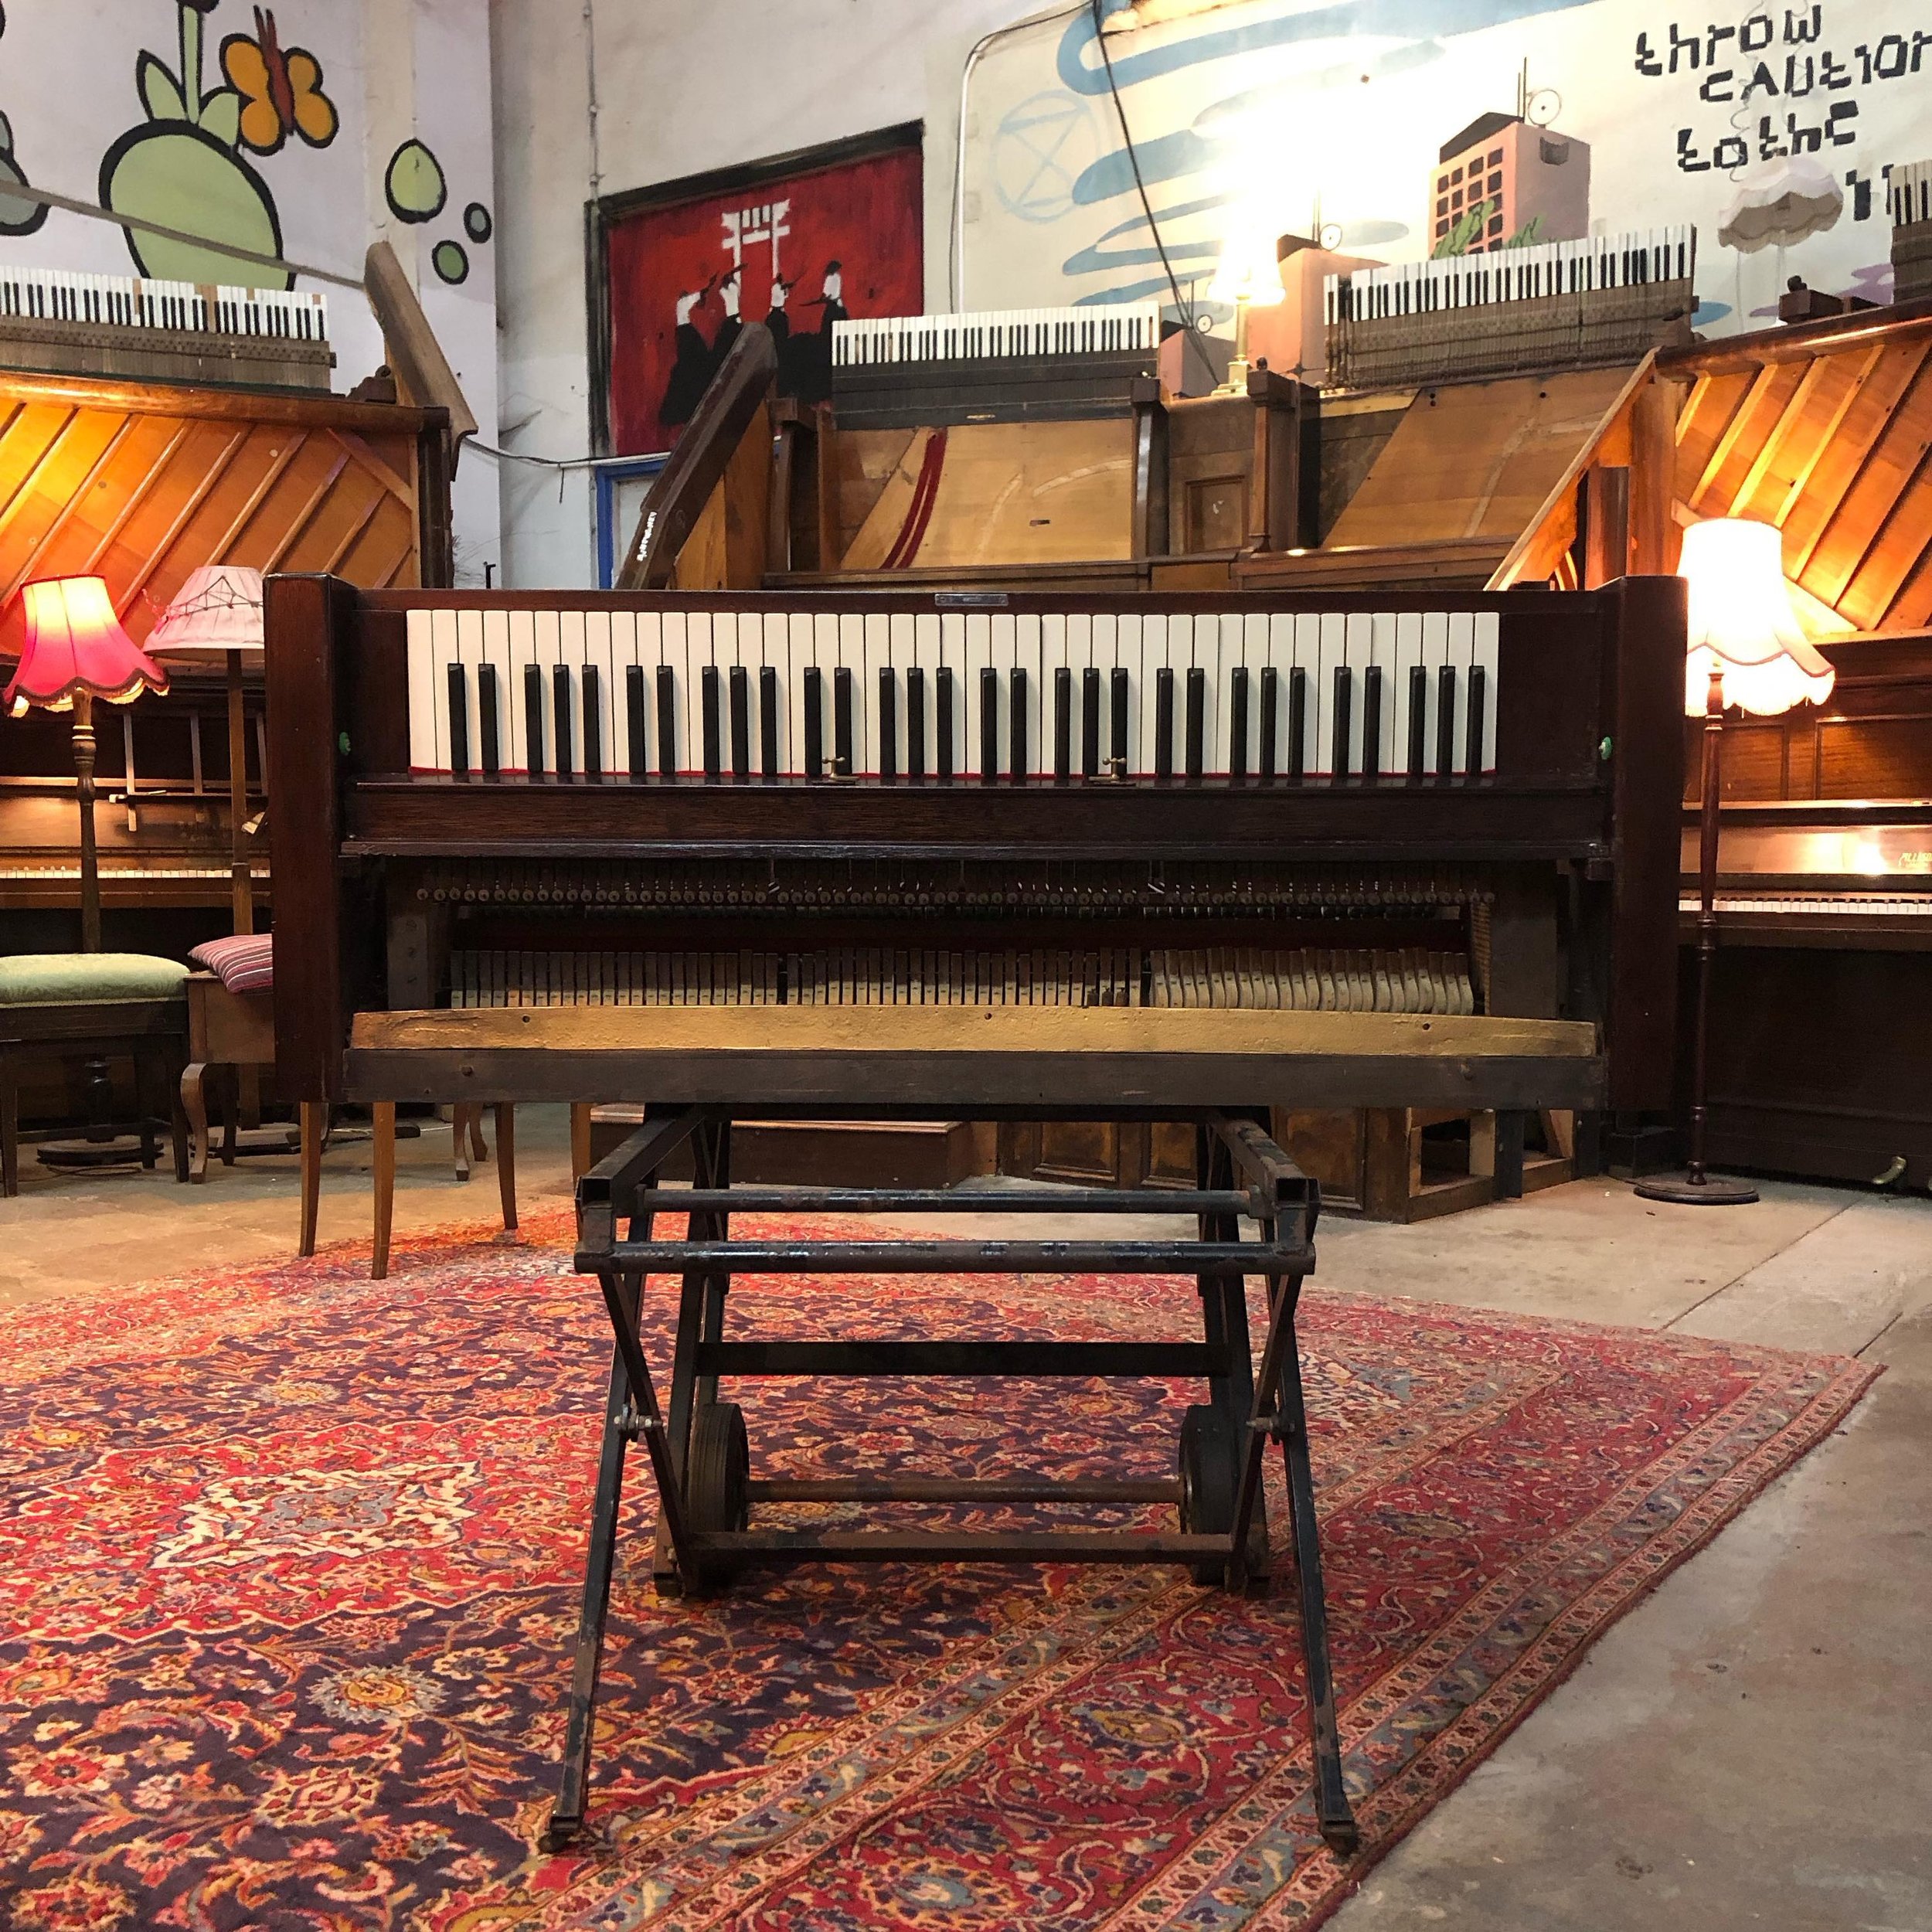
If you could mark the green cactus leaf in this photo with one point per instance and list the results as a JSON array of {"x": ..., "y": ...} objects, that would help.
[
  {"x": 160, "y": 91},
  {"x": 221, "y": 116}
]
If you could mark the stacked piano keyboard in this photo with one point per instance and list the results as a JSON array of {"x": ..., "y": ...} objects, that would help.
[
  {"x": 1609, "y": 300},
  {"x": 1908, "y": 189},
  {"x": 127, "y": 326},
  {"x": 1329, "y": 979}
]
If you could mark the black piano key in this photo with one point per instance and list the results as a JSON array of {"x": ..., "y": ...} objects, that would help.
[
  {"x": 1297, "y": 725},
  {"x": 1090, "y": 723},
  {"x": 1196, "y": 722},
  {"x": 740, "y": 683},
  {"x": 633, "y": 719},
  {"x": 1123, "y": 754},
  {"x": 915, "y": 723},
  {"x": 1238, "y": 726},
  {"x": 1418, "y": 719},
  {"x": 560, "y": 709},
  {"x": 1478, "y": 683},
  {"x": 1164, "y": 724},
  {"x": 1343, "y": 717},
  {"x": 942, "y": 693},
  {"x": 1371, "y": 723},
  {"x": 491, "y": 748},
  {"x": 768, "y": 720},
  {"x": 1016, "y": 757},
  {"x": 888, "y": 723},
  {"x": 1063, "y": 723},
  {"x": 842, "y": 764},
  {"x": 1445, "y": 721},
  {"x": 814, "y": 723},
  {"x": 709, "y": 709},
  {"x": 667, "y": 722},
  {"x": 988, "y": 724},
  {"x": 1270, "y": 721},
  {"x": 593, "y": 724},
  {"x": 459, "y": 722},
  {"x": 533, "y": 761}
]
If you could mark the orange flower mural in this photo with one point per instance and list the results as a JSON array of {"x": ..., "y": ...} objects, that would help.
[{"x": 281, "y": 89}]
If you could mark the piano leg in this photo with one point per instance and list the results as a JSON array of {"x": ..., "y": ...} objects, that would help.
[
  {"x": 566, "y": 1818},
  {"x": 506, "y": 1163},
  {"x": 1336, "y": 1820},
  {"x": 314, "y": 1129},
  {"x": 383, "y": 1113},
  {"x": 9, "y": 1126},
  {"x": 194, "y": 1102}
]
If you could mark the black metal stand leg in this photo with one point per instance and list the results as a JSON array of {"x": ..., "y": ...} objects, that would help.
[
  {"x": 1337, "y": 1821},
  {"x": 567, "y": 1816}
]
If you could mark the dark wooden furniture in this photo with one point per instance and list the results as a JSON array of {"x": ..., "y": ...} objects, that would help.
[
  {"x": 233, "y": 1033},
  {"x": 150, "y": 1033}
]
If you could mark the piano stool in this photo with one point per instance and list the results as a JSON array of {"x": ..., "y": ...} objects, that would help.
[
  {"x": 234, "y": 1033},
  {"x": 152, "y": 1033},
  {"x": 466, "y": 1136}
]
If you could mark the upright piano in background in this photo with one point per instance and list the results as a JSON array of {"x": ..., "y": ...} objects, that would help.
[{"x": 162, "y": 429}]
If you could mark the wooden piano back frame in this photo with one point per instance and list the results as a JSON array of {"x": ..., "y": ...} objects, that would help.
[{"x": 1589, "y": 754}]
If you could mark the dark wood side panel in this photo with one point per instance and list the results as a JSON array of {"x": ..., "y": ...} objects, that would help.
[
  {"x": 1647, "y": 775},
  {"x": 305, "y": 619}
]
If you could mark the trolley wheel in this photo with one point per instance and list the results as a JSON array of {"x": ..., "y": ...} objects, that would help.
[
  {"x": 1210, "y": 1478},
  {"x": 718, "y": 1477}
]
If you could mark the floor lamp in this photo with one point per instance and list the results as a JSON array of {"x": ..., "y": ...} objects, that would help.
[
  {"x": 75, "y": 651},
  {"x": 218, "y": 613},
  {"x": 1746, "y": 649}
]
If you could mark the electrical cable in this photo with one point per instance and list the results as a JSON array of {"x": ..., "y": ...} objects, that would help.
[{"x": 1147, "y": 207}]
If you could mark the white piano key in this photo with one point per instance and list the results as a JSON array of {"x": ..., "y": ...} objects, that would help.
[
  {"x": 673, "y": 656},
  {"x": 517, "y": 653},
  {"x": 621, "y": 647},
  {"x": 1217, "y": 650},
  {"x": 1115, "y": 641},
  {"x": 1389, "y": 753},
  {"x": 426, "y": 706},
  {"x": 902, "y": 653},
  {"x": 840, "y": 642},
  {"x": 1152, "y": 656},
  {"x": 979, "y": 658},
  {"x": 726, "y": 656},
  {"x": 1487, "y": 644},
  {"x": 1254, "y": 660},
  {"x": 558, "y": 735},
  {"x": 1037, "y": 698},
  {"x": 952, "y": 658},
  {"x": 1457, "y": 650},
  {"x": 650, "y": 655},
  {"x": 878, "y": 656},
  {"x": 697, "y": 657},
  {"x": 573, "y": 651},
  {"x": 1428, "y": 635},
  {"x": 1330, "y": 655},
  {"x": 471, "y": 653},
  {"x": 1282, "y": 661},
  {"x": 798, "y": 659},
  {"x": 1056, "y": 656},
  {"x": 926, "y": 655},
  {"x": 1359, "y": 654}
]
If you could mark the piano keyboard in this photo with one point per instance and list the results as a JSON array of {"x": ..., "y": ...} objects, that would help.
[
  {"x": 1023, "y": 332},
  {"x": 48, "y": 294},
  {"x": 1514, "y": 274},
  {"x": 952, "y": 696},
  {"x": 1321, "y": 978},
  {"x": 1908, "y": 189}
]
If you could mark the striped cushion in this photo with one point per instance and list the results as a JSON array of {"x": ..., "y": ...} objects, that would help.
[{"x": 245, "y": 963}]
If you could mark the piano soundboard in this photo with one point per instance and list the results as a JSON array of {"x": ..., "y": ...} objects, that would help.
[{"x": 959, "y": 694}]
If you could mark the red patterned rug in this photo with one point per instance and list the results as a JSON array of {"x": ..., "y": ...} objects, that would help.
[{"x": 289, "y": 1563}]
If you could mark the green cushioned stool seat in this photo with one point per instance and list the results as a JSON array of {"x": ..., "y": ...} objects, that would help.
[{"x": 88, "y": 979}]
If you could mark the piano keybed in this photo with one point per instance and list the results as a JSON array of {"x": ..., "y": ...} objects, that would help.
[
  {"x": 132, "y": 301},
  {"x": 1031, "y": 333},
  {"x": 952, "y": 696},
  {"x": 1346, "y": 979}
]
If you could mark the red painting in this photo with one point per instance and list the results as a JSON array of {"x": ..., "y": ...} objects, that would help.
[{"x": 797, "y": 252}]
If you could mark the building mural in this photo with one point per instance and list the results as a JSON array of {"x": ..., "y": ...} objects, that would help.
[{"x": 1399, "y": 129}]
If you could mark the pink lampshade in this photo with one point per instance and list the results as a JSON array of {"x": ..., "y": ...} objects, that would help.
[{"x": 75, "y": 644}]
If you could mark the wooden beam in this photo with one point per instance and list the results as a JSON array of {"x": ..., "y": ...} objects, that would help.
[
  {"x": 679, "y": 492},
  {"x": 1653, "y": 480},
  {"x": 415, "y": 355}
]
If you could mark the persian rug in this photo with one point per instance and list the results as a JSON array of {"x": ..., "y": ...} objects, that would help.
[{"x": 289, "y": 1560}]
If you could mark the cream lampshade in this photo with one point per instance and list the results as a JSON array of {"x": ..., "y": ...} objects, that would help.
[{"x": 1742, "y": 623}]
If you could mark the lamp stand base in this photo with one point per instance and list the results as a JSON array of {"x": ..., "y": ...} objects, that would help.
[{"x": 1681, "y": 1191}]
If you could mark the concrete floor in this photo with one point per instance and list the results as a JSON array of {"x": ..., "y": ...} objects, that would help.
[{"x": 1751, "y": 1747}]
